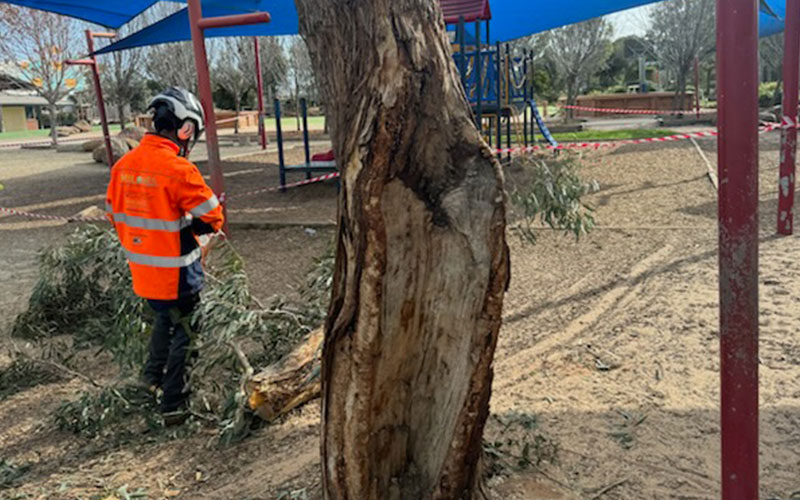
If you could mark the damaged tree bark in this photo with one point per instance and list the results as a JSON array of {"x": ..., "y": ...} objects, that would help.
[{"x": 422, "y": 261}]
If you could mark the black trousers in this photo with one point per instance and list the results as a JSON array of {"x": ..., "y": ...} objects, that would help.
[{"x": 171, "y": 350}]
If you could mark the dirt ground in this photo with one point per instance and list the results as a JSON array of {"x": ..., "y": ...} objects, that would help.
[{"x": 609, "y": 344}]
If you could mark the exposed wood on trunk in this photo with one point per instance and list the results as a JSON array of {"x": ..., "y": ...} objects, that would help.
[
  {"x": 293, "y": 381},
  {"x": 422, "y": 261}
]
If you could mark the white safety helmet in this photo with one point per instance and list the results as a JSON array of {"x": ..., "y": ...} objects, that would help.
[{"x": 185, "y": 106}]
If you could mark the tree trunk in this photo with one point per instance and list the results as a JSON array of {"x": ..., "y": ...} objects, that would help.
[
  {"x": 53, "y": 124},
  {"x": 237, "y": 105},
  {"x": 297, "y": 104},
  {"x": 422, "y": 261},
  {"x": 121, "y": 112},
  {"x": 680, "y": 93},
  {"x": 572, "y": 96}
]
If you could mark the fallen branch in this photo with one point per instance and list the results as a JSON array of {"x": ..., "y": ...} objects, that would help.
[{"x": 289, "y": 383}]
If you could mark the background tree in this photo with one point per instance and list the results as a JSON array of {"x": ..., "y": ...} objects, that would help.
[
  {"x": 274, "y": 66},
  {"x": 39, "y": 42},
  {"x": 422, "y": 262},
  {"x": 578, "y": 51},
  {"x": 680, "y": 31},
  {"x": 123, "y": 80},
  {"x": 235, "y": 70},
  {"x": 770, "y": 50},
  {"x": 171, "y": 64},
  {"x": 541, "y": 68},
  {"x": 300, "y": 75}
]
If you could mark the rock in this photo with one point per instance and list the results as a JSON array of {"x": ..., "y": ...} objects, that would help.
[
  {"x": 132, "y": 143},
  {"x": 91, "y": 212},
  {"x": 767, "y": 117},
  {"x": 118, "y": 149},
  {"x": 65, "y": 131},
  {"x": 91, "y": 144},
  {"x": 133, "y": 132},
  {"x": 83, "y": 126}
]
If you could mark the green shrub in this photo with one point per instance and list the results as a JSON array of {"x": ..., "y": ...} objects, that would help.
[
  {"x": 64, "y": 118},
  {"x": 767, "y": 96}
]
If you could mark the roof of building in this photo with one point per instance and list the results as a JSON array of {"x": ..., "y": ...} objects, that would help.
[{"x": 26, "y": 98}]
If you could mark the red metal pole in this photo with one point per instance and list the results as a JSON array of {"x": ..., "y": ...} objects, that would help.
[
  {"x": 737, "y": 83},
  {"x": 197, "y": 24},
  {"x": 791, "y": 73},
  {"x": 204, "y": 88},
  {"x": 697, "y": 87},
  {"x": 101, "y": 106},
  {"x": 234, "y": 20},
  {"x": 262, "y": 132}
]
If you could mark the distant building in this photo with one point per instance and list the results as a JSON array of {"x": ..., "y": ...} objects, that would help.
[{"x": 20, "y": 105}]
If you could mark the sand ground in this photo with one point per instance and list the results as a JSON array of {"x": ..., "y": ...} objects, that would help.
[{"x": 609, "y": 343}]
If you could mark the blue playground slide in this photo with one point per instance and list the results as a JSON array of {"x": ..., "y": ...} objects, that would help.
[{"x": 542, "y": 127}]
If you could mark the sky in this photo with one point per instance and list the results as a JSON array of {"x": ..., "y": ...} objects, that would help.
[{"x": 630, "y": 22}]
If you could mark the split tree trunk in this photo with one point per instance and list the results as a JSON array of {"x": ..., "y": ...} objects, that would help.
[{"x": 422, "y": 261}]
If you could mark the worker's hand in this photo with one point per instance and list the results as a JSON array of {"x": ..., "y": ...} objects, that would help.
[{"x": 207, "y": 242}]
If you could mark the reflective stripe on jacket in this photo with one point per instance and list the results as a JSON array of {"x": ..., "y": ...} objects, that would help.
[{"x": 157, "y": 200}]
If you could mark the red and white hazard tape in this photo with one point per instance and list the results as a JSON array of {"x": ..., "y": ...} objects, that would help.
[
  {"x": 13, "y": 211},
  {"x": 222, "y": 197},
  {"x": 226, "y": 120},
  {"x": 611, "y": 144},
  {"x": 623, "y": 111},
  {"x": 304, "y": 182},
  {"x": 334, "y": 175},
  {"x": 14, "y": 145}
]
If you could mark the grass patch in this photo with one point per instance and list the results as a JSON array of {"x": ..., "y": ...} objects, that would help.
[
  {"x": 289, "y": 123},
  {"x": 44, "y": 133},
  {"x": 589, "y": 136},
  {"x": 612, "y": 135}
]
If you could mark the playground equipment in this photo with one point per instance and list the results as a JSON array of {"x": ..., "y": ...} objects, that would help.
[
  {"x": 91, "y": 61},
  {"x": 321, "y": 162},
  {"x": 498, "y": 86}
]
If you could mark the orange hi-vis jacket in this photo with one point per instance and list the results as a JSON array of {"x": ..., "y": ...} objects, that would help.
[{"x": 159, "y": 203}]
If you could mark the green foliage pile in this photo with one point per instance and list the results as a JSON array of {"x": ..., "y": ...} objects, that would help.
[
  {"x": 84, "y": 289},
  {"x": 22, "y": 374},
  {"x": 552, "y": 194},
  {"x": 96, "y": 413},
  {"x": 11, "y": 473}
]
